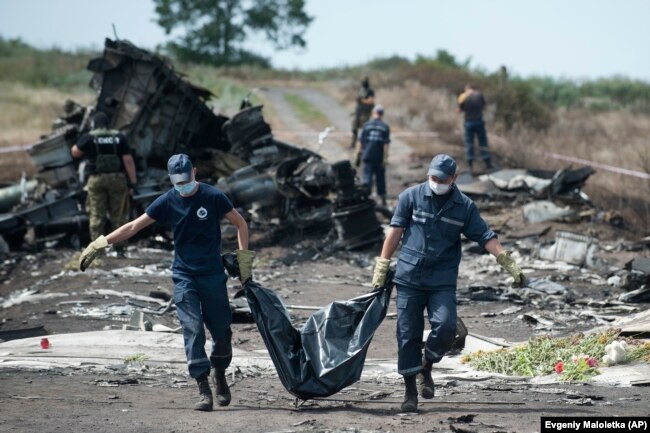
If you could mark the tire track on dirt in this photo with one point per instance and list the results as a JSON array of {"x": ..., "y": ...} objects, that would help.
[{"x": 291, "y": 122}]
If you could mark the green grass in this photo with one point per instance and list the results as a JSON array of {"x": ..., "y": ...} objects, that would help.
[
  {"x": 136, "y": 358},
  {"x": 640, "y": 352},
  {"x": 539, "y": 356},
  {"x": 27, "y": 112},
  {"x": 44, "y": 68},
  {"x": 306, "y": 111}
]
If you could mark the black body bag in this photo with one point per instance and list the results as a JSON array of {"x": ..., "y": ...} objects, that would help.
[{"x": 328, "y": 353}]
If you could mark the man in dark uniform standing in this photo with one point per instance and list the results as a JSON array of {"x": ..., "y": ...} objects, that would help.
[
  {"x": 363, "y": 109},
  {"x": 109, "y": 157},
  {"x": 194, "y": 211},
  {"x": 472, "y": 104},
  {"x": 429, "y": 219},
  {"x": 373, "y": 151}
]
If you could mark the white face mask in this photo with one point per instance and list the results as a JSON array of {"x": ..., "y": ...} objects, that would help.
[
  {"x": 186, "y": 189},
  {"x": 439, "y": 188}
]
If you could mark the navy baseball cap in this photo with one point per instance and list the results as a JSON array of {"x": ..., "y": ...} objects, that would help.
[
  {"x": 379, "y": 109},
  {"x": 180, "y": 168},
  {"x": 442, "y": 166}
]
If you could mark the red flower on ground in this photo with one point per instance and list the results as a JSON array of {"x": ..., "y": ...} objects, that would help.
[{"x": 559, "y": 367}]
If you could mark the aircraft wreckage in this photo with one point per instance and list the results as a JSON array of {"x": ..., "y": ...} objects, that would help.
[{"x": 162, "y": 113}]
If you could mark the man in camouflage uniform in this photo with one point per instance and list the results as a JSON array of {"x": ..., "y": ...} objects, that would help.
[
  {"x": 109, "y": 158},
  {"x": 365, "y": 103}
]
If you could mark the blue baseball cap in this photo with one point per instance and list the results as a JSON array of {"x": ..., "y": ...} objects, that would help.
[
  {"x": 180, "y": 168},
  {"x": 442, "y": 166},
  {"x": 379, "y": 109}
]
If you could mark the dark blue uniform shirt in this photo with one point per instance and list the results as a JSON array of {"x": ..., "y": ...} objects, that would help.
[
  {"x": 473, "y": 106},
  {"x": 195, "y": 223},
  {"x": 431, "y": 249},
  {"x": 374, "y": 135}
]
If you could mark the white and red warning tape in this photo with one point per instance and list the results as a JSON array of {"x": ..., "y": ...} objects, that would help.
[
  {"x": 349, "y": 134},
  {"x": 619, "y": 170},
  {"x": 552, "y": 155},
  {"x": 16, "y": 148}
]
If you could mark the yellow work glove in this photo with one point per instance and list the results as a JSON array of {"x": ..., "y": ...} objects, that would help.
[
  {"x": 385, "y": 161},
  {"x": 381, "y": 269},
  {"x": 245, "y": 261},
  {"x": 508, "y": 263},
  {"x": 91, "y": 252}
]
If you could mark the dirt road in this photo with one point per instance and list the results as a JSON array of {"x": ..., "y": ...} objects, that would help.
[
  {"x": 150, "y": 397},
  {"x": 336, "y": 147}
]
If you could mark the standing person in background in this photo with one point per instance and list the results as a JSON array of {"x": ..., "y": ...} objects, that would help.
[
  {"x": 194, "y": 211},
  {"x": 111, "y": 175},
  {"x": 472, "y": 103},
  {"x": 373, "y": 151},
  {"x": 429, "y": 219},
  {"x": 363, "y": 109}
]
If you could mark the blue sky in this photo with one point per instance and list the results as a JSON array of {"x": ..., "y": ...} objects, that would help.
[{"x": 561, "y": 38}]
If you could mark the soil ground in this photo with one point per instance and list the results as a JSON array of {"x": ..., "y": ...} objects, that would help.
[{"x": 77, "y": 400}]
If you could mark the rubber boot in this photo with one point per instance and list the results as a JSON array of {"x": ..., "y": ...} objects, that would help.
[
  {"x": 383, "y": 200},
  {"x": 471, "y": 167},
  {"x": 205, "y": 403},
  {"x": 488, "y": 165},
  {"x": 221, "y": 386},
  {"x": 427, "y": 389},
  {"x": 410, "y": 403}
]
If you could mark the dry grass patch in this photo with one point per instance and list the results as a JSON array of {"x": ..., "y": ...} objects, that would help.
[
  {"x": 619, "y": 138},
  {"x": 26, "y": 113}
]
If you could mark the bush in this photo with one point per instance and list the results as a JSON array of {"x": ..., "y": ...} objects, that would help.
[
  {"x": 517, "y": 105},
  {"x": 605, "y": 93}
]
